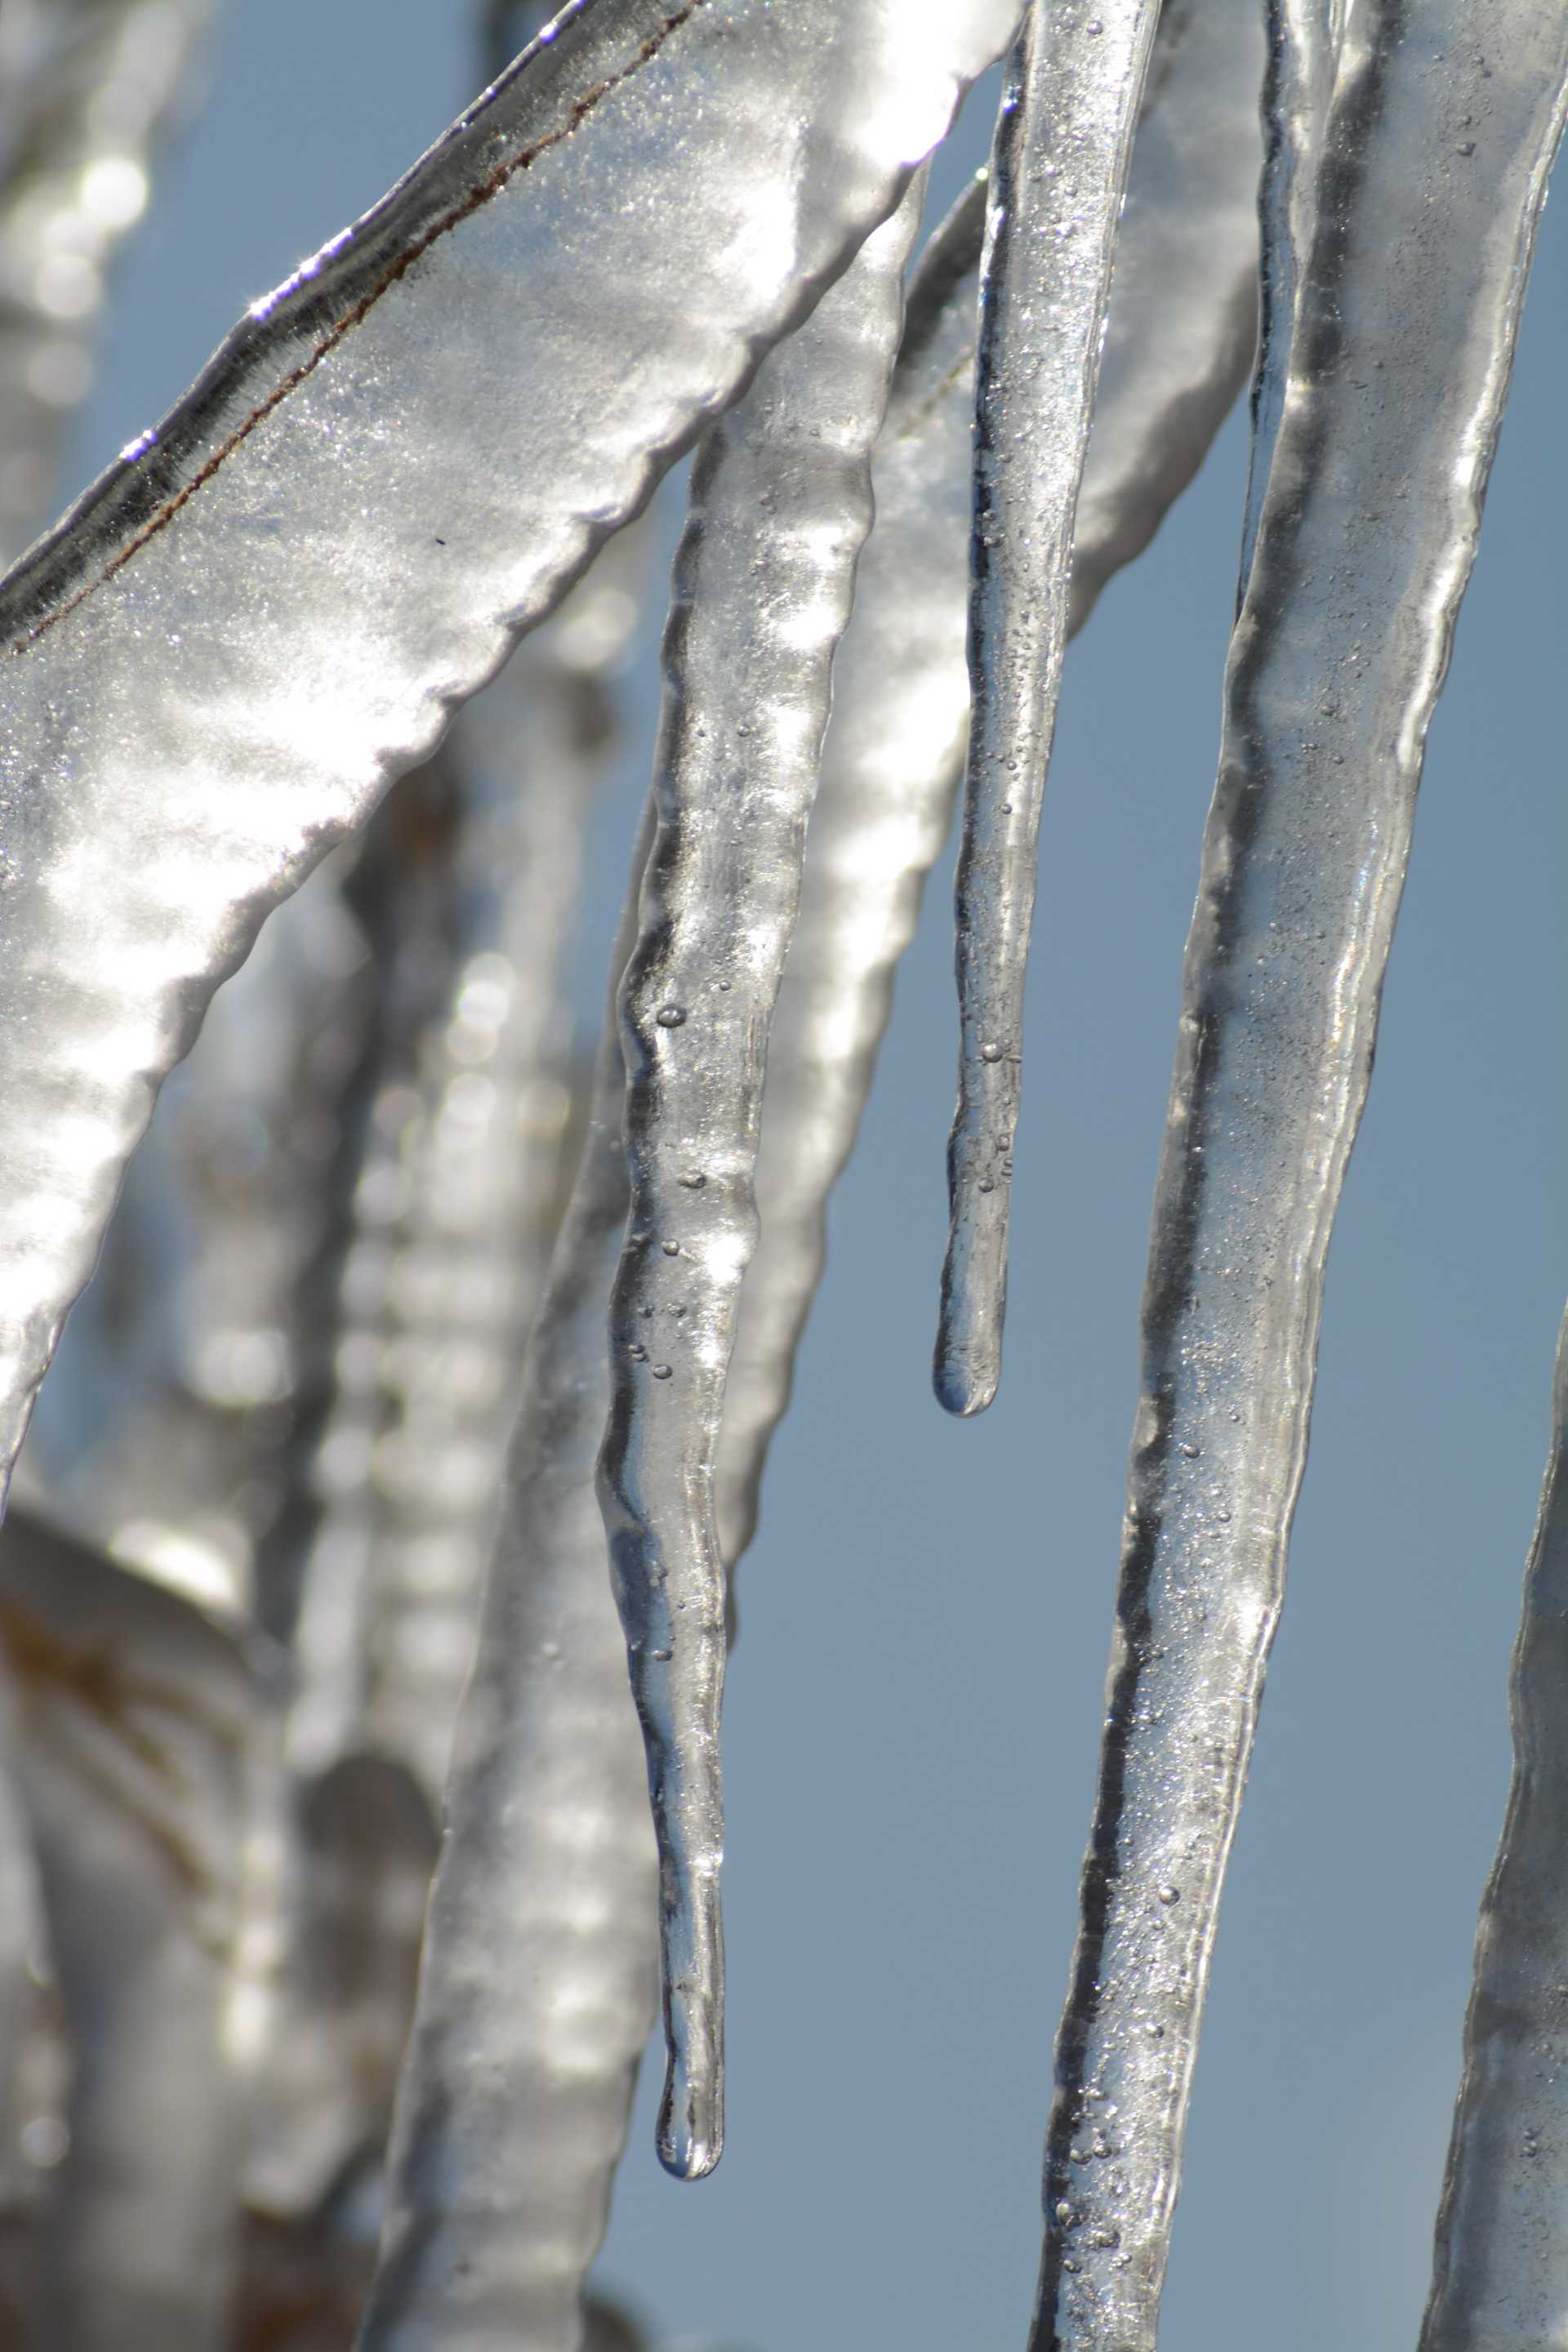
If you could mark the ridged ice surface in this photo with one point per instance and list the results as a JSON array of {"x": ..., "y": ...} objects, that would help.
[
  {"x": 539, "y": 1984},
  {"x": 1501, "y": 2278},
  {"x": 1427, "y": 192},
  {"x": 1058, "y": 174},
  {"x": 267, "y": 609},
  {"x": 86, "y": 89},
  {"x": 781, "y": 504},
  {"x": 164, "y": 1431},
  {"x": 1179, "y": 341},
  {"x": 138, "y": 1728}
]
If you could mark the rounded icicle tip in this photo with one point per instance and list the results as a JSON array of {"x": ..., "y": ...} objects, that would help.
[{"x": 691, "y": 2137}]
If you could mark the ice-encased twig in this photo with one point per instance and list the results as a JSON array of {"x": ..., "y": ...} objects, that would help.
[
  {"x": 1429, "y": 186},
  {"x": 213, "y": 667},
  {"x": 537, "y": 1991},
  {"x": 1180, "y": 337},
  {"x": 781, "y": 504},
  {"x": 1058, "y": 177},
  {"x": 1500, "y": 2273},
  {"x": 86, "y": 90},
  {"x": 139, "y": 1730}
]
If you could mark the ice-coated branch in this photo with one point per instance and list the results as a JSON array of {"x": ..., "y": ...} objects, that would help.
[
  {"x": 538, "y": 1988},
  {"x": 269, "y": 608},
  {"x": 1058, "y": 175},
  {"x": 1429, "y": 185},
  {"x": 781, "y": 504},
  {"x": 1500, "y": 2275}
]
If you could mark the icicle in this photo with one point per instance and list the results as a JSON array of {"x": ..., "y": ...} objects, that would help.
[
  {"x": 269, "y": 607},
  {"x": 1433, "y": 173},
  {"x": 137, "y": 1728},
  {"x": 537, "y": 1989},
  {"x": 1182, "y": 324},
  {"x": 1180, "y": 336},
  {"x": 86, "y": 94},
  {"x": 781, "y": 504},
  {"x": 1500, "y": 2276},
  {"x": 1058, "y": 177},
  {"x": 482, "y": 1155}
]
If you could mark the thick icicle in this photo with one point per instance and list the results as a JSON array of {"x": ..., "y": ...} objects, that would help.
[
  {"x": 141, "y": 1730},
  {"x": 1432, "y": 176},
  {"x": 1058, "y": 174},
  {"x": 1180, "y": 338},
  {"x": 269, "y": 607},
  {"x": 1500, "y": 2276},
  {"x": 86, "y": 88},
  {"x": 537, "y": 1990},
  {"x": 781, "y": 504}
]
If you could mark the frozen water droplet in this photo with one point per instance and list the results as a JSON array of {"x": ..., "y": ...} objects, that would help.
[
  {"x": 661, "y": 1371},
  {"x": 1170, "y": 1895},
  {"x": 670, "y": 1016},
  {"x": 991, "y": 1052},
  {"x": 672, "y": 1249},
  {"x": 694, "y": 1180}
]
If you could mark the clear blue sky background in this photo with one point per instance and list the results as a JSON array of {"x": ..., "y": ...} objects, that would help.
[{"x": 913, "y": 1709}]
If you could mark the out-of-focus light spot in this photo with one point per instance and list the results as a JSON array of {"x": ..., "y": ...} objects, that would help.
[
  {"x": 114, "y": 192},
  {"x": 67, "y": 286},
  {"x": 45, "y": 2140}
]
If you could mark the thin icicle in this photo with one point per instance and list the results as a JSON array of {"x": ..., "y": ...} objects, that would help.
[
  {"x": 781, "y": 504},
  {"x": 1501, "y": 2275},
  {"x": 537, "y": 1990},
  {"x": 1433, "y": 173},
  {"x": 267, "y": 609},
  {"x": 86, "y": 90},
  {"x": 1180, "y": 338},
  {"x": 1058, "y": 174},
  {"x": 139, "y": 1728}
]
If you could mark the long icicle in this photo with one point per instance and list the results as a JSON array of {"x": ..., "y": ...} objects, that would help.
[
  {"x": 1428, "y": 192},
  {"x": 1058, "y": 174},
  {"x": 781, "y": 504},
  {"x": 1500, "y": 2275},
  {"x": 1180, "y": 338},
  {"x": 537, "y": 1989}
]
